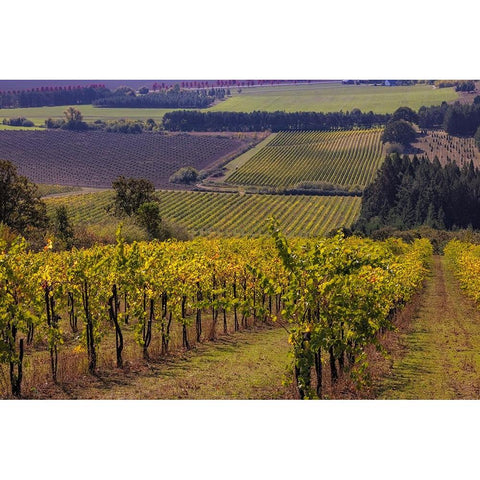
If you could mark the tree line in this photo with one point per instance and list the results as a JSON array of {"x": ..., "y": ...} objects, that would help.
[
  {"x": 456, "y": 119},
  {"x": 188, "y": 121},
  {"x": 121, "y": 97},
  {"x": 73, "y": 120},
  {"x": 172, "y": 98},
  {"x": 52, "y": 96},
  {"x": 410, "y": 193}
]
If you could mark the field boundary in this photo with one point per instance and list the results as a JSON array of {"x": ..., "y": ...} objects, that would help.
[{"x": 239, "y": 160}]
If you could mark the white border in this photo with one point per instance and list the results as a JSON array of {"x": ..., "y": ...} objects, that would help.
[{"x": 249, "y": 39}]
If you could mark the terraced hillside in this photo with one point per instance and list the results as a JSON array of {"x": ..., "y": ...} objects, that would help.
[
  {"x": 345, "y": 158},
  {"x": 204, "y": 213}
]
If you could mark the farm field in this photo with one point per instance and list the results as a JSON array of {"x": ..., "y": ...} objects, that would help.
[
  {"x": 439, "y": 143},
  {"x": 38, "y": 115},
  {"x": 237, "y": 162},
  {"x": 347, "y": 158},
  {"x": 333, "y": 97},
  {"x": 225, "y": 214},
  {"x": 169, "y": 297},
  {"x": 10, "y": 127},
  {"x": 318, "y": 97},
  {"x": 96, "y": 159},
  {"x": 45, "y": 189}
]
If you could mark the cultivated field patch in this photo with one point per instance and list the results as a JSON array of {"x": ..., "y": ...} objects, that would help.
[
  {"x": 333, "y": 97},
  {"x": 225, "y": 214},
  {"x": 438, "y": 143},
  {"x": 38, "y": 115},
  {"x": 347, "y": 158},
  {"x": 96, "y": 159}
]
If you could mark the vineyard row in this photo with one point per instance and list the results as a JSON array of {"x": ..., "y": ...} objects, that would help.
[
  {"x": 204, "y": 213},
  {"x": 336, "y": 295},
  {"x": 347, "y": 158}
]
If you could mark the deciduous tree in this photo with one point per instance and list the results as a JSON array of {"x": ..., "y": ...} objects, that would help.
[
  {"x": 399, "y": 131},
  {"x": 20, "y": 203},
  {"x": 130, "y": 193}
]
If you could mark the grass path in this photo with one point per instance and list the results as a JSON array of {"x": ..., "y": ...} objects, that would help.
[
  {"x": 442, "y": 359},
  {"x": 246, "y": 365}
]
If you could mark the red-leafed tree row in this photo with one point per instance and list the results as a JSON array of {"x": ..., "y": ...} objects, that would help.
[{"x": 224, "y": 83}]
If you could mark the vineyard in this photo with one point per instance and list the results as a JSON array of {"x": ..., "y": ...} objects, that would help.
[
  {"x": 464, "y": 260},
  {"x": 346, "y": 158},
  {"x": 438, "y": 143},
  {"x": 225, "y": 214},
  {"x": 85, "y": 310},
  {"x": 95, "y": 159}
]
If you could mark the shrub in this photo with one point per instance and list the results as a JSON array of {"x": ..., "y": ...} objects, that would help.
[
  {"x": 399, "y": 131},
  {"x": 51, "y": 123},
  {"x": 18, "y": 122},
  {"x": 185, "y": 175},
  {"x": 125, "y": 126},
  {"x": 74, "y": 125},
  {"x": 394, "y": 148}
]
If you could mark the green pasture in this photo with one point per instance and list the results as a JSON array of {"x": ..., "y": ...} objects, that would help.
[
  {"x": 9, "y": 127},
  {"x": 333, "y": 97},
  {"x": 319, "y": 97},
  {"x": 38, "y": 115}
]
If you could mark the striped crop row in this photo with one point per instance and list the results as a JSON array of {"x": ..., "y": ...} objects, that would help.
[
  {"x": 225, "y": 214},
  {"x": 347, "y": 158}
]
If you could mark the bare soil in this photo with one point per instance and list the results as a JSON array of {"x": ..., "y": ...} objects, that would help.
[
  {"x": 96, "y": 159},
  {"x": 439, "y": 143}
]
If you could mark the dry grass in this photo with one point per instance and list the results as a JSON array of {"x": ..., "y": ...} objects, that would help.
[{"x": 247, "y": 364}]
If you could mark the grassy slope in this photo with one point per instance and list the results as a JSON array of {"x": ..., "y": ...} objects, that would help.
[
  {"x": 334, "y": 97},
  {"x": 247, "y": 365},
  {"x": 442, "y": 359},
  {"x": 45, "y": 189}
]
